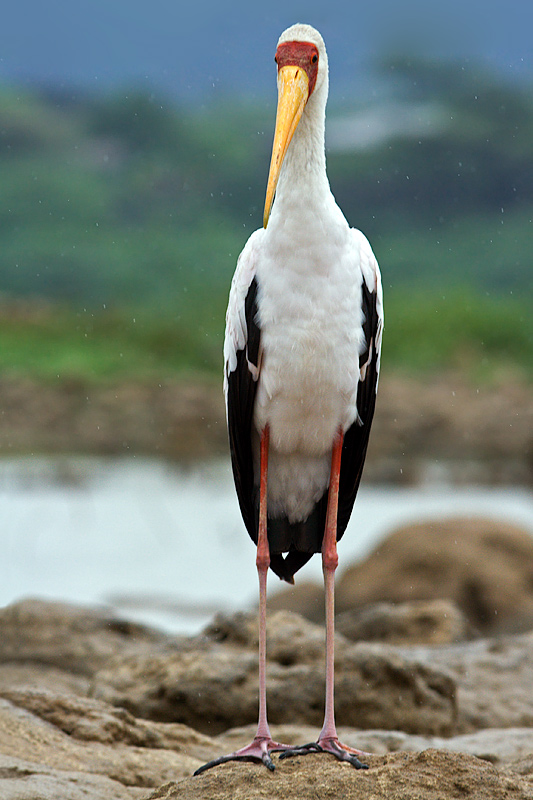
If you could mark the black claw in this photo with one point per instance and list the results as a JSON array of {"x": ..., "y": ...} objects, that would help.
[
  {"x": 267, "y": 761},
  {"x": 312, "y": 747},
  {"x": 202, "y": 769},
  {"x": 354, "y": 761},
  {"x": 215, "y": 763},
  {"x": 343, "y": 755},
  {"x": 288, "y": 754}
]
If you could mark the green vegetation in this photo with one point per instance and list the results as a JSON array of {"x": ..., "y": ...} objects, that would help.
[
  {"x": 125, "y": 216},
  {"x": 481, "y": 335},
  {"x": 54, "y": 342}
]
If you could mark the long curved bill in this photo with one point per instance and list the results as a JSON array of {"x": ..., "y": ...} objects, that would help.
[{"x": 293, "y": 93}]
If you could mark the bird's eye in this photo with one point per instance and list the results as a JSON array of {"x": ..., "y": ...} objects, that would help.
[
  {"x": 276, "y": 59},
  {"x": 314, "y": 59}
]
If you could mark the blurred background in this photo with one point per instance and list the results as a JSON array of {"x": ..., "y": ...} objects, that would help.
[{"x": 134, "y": 148}]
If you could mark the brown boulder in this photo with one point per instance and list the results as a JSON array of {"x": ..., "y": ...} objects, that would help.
[
  {"x": 417, "y": 622},
  {"x": 68, "y": 736},
  {"x": 484, "y": 567},
  {"x": 214, "y": 687},
  {"x": 71, "y": 638},
  {"x": 86, "y": 719},
  {"x": 291, "y": 638}
]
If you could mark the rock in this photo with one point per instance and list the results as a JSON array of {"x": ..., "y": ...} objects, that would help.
[
  {"x": 500, "y": 746},
  {"x": 79, "y": 735},
  {"x": 24, "y": 780},
  {"x": 442, "y": 720},
  {"x": 493, "y": 678},
  {"x": 304, "y": 597},
  {"x": 14, "y": 675},
  {"x": 88, "y": 720},
  {"x": 72, "y": 746},
  {"x": 417, "y": 622},
  {"x": 214, "y": 687},
  {"x": 484, "y": 567},
  {"x": 377, "y": 687},
  {"x": 291, "y": 638},
  {"x": 68, "y": 637},
  {"x": 523, "y": 766},
  {"x": 205, "y": 689},
  {"x": 431, "y": 774}
]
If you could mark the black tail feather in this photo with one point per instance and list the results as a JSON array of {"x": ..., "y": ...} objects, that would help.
[
  {"x": 305, "y": 536},
  {"x": 286, "y": 567}
]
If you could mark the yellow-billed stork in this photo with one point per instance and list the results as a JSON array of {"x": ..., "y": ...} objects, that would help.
[{"x": 302, "y": 352}]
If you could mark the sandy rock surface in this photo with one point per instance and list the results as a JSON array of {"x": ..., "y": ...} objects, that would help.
[
  {"x": 485, "y": 566},
  {"x": 432, "y": 775}
]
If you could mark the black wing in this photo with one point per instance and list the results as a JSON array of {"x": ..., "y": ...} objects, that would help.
[
  {"x": 240, "y": 399},
  {"x": 356, "y": 437}
]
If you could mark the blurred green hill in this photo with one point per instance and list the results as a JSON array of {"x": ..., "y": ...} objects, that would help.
[{"x": 127, "y": 214}]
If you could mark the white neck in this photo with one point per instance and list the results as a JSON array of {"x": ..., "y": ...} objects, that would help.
[{"x": 303, "y": 180}]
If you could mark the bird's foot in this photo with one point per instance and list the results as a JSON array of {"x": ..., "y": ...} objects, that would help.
[
  {"x": 258, "y": 750},
  {"x": 332, "y": 745}
]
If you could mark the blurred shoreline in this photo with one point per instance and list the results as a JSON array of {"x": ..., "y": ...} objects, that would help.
[{"x": 427, "y": 429}]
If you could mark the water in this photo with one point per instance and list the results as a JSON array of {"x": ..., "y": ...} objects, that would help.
[{"x": 166, "y": 545}]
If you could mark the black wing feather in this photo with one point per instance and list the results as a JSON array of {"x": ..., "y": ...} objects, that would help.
[
  {"x": 356, "y": 437},
  {"x": 242, "y": 389}
]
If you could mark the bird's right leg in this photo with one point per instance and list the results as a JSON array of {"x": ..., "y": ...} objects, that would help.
[
  {"x": 263, "y": 744},
  {"x": 328, "y": 741}
]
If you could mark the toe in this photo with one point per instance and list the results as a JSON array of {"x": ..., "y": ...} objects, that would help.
[{"x": 267, "y": 761}]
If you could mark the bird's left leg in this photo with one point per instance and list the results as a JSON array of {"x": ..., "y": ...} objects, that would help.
[
  {"x": 328, "y": 741},
  {"x": 263, "y": 744}
]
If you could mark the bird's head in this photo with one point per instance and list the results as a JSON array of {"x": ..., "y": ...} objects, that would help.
[{"x": 302, "y": 71}]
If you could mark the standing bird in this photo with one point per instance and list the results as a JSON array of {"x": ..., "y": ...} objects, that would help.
[{"x": 302, "y": 351}]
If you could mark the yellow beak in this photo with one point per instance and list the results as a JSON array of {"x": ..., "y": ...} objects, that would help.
[{"x": 293, "y": 93}]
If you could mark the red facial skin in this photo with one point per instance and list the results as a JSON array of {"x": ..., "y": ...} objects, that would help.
[{"x": 299, "y": 54}]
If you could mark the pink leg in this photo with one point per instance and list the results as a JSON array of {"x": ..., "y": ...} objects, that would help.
[
  {"x": 263, "y": 744},
  {"x": 328, "y": 740}
]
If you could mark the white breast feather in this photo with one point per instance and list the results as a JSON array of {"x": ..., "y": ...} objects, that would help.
[{"x": 311, "y": 320}]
